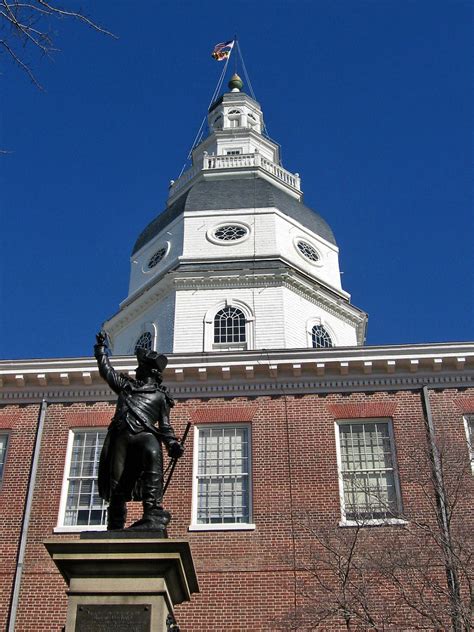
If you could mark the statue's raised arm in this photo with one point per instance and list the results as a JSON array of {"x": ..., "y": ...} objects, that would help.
[{"x": 116, "y": 381}]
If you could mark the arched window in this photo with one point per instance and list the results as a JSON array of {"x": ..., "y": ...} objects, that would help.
[
  {"x": 229, "y": 326},
  {"x": 144, "y": 341},
  {"x": 320, "y": 337},
  {"x": 234, "y": 118}
]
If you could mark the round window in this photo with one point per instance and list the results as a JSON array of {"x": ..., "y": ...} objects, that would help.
[
  {"x": 230, "y": 232},
  {"x": 156, "y": 258},
  {"x": 307, "y": 250}
]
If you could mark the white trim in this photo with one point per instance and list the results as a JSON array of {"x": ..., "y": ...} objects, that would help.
[
  {"x": 64, "y": 486},
  {"x": 390, "y": 371},
  {"x": 80, "y": 528},
  {"x": 61, "y": 527},
  {"x": 469, "y": 418},
  {"x": 375, "y": 521},
  {"x": 5, "y": 432},
  {"x": 234, "y": 526},
  {"x": 239, "y": 526}
]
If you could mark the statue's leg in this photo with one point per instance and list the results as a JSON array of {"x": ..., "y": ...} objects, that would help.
[
  {"x": 117, "y": 509},
  {"x": 154, "y": 516},
  {"x": 116, "y": 512}
]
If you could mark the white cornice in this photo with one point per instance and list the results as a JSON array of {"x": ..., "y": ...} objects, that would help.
[
  {"x": 314, "y": 291},
  {"x": 341, "y": 369}
]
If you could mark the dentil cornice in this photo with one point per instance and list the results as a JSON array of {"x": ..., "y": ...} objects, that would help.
[{"x": 277, "y": 372}]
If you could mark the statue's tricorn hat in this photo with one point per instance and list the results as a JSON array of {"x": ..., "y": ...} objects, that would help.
[{"x": 151, "y": 359}]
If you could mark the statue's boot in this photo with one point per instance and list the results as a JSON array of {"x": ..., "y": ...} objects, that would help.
[
  {"x": 155, "y": 518},
  {"x": 116, "y": 512}
]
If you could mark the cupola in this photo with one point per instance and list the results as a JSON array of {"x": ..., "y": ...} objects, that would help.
[{"x": 236, "y": 261}]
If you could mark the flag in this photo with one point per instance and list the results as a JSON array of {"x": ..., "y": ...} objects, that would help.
[{"x": 222, "y": 51}]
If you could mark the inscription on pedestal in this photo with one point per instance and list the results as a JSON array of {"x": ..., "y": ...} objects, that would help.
[{"x": 119, "y": 618}]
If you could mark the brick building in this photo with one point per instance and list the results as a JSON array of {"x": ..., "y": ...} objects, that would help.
[{"x": 302, "y": 437}]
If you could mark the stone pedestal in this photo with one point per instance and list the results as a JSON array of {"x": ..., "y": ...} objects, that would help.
[{"x": 123, "y": 581}]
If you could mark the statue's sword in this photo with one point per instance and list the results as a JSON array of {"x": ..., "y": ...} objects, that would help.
[{"x": 173, "y": 462}]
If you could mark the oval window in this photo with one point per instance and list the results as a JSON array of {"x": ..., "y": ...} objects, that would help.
[
  {"x": 157, "y": 257},
  {"x": 308, "y": 251},
  {"x": 230, "y": 232}
]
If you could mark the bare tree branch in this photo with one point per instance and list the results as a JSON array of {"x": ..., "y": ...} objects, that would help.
[{"x": 30, "y": 23}]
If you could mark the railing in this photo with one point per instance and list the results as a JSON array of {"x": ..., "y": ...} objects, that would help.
[{"x": 237, "y": 161}]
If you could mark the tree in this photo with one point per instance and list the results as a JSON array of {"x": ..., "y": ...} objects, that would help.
[
  {"x": 417, "y": 574},
  {"x": 28, "y": 24}
]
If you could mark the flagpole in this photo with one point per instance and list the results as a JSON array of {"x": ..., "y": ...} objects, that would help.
[{"x": 235, "y": 59}]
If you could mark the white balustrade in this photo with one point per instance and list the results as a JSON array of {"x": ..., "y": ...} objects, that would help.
[{"x": 237, "y": 161}]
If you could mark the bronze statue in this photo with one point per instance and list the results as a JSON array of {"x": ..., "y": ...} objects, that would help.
[{"x": 131, "y": 461}]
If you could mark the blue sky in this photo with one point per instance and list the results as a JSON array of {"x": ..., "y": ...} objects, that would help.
[{"x": 371, "y": 101}]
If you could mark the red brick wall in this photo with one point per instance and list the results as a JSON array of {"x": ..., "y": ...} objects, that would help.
[
  {"x": 247, "y": 578},
  {"x": 20, "y": 422}
]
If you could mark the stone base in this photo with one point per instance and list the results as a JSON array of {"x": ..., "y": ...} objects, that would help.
[{"x": 123, "y": 582}]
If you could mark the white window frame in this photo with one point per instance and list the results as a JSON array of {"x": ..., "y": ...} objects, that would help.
[
  {"x": 6, "y": 434},
  {"x": 150, "y": 253},
  {"x": 61, "y": 527},
  {"x": 345, "y": 522},
  {"x": 301, "y": 238},
  {"x": 210, "y": 345},
  {"x": 210, "y": 234},
  {"x": 145, "y": 328},
  {"x": 469, "y": 419},
  {"x": 317, "y": 320},
  {"x": 227, "y": 526}
]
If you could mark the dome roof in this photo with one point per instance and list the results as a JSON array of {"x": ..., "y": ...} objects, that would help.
[{"x": 236, "y": 193}]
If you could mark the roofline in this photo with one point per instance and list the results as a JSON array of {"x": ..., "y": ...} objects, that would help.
[{"x": 258, "y": 372}]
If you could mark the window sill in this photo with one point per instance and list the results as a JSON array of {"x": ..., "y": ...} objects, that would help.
[
  {"x": 79, "y": 528},
  {"x": 229, "y": 346},
  {"x": 379, "y": 522},
  {"x": 222, "y": 527}
]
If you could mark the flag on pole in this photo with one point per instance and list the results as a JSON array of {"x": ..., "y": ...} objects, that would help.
[{"x": 222, "y": 51}]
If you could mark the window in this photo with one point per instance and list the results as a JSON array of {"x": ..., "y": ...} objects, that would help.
[
  {"x": 233, "y": 152},
  {"x": 144, "y": 341},
  {"x": 308, "y": 251},
  {"x": 222, "y": 477},
  {"x": 229, "y": 326},
  {"x": 234, "y": 118},
  {"x": 82, "y": 505},
  {"x": 469, "y": 425},
  {"x": 3, "y": 453},
  {"x": 157, "y": 257},
  {"x": 320, "y": 337},
  {"x": 230, "y": 232},
  {"x": 368, "y": 478}
]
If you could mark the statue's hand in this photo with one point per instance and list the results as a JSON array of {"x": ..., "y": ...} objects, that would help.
[
  {"x": 101, "y": 338},
  {"x": 175, "y": 449}
]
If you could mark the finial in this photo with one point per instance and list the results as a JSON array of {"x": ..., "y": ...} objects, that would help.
[{"x": 235, "y": 84}]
